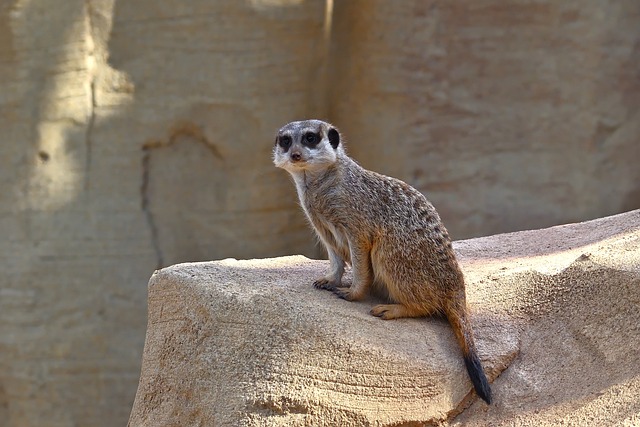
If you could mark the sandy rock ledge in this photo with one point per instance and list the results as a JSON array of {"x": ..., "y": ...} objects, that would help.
[{"x": 251, "y": 343}]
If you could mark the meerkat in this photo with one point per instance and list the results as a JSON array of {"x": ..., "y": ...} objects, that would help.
[{"x": 388, "y": 232}]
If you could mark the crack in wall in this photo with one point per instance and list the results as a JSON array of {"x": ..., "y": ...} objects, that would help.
[
  {"x": 91, "y": 71},
  {"x": 189, "y": 130},
  {"x": 144, "y": 193},
  {"x": 88, "y": 136}
]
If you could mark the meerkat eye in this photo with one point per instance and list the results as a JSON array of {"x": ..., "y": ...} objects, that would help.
[
  {"x": 285, "y": 141},
  {"x": 310, "y": 139}
]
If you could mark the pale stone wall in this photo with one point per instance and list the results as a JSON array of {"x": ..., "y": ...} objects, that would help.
[
  {"x": 138, "y": 134},
  {"x": 509, "y": 115},
  {"x": 134, "y": 134}
]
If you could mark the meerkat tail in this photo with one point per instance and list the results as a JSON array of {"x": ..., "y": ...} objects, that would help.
[{"x": 460, "y": 323}]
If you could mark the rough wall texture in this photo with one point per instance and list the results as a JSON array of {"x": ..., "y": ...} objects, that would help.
[
  {"x": 138, "y": 134},
  {"x": 134, "y": 134},
  {"x": 509, "y": 114},
  {"x": 252, "y": 343}
]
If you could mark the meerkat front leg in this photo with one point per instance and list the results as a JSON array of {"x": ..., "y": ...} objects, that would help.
[
  {"x": 362, "y": 272},
  {"x": 336, "y": 269}
]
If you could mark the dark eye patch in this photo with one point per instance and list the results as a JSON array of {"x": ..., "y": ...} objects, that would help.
[
  {"x": 284, "y": 141},
  {"x": 310, "y": 139}
]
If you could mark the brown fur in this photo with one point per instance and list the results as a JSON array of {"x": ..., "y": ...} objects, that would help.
[{"x": 385, "y": 229}]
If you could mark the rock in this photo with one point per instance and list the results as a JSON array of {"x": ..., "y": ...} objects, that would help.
[
  {"x": 252, "y": 343},
  {"x": 578, "y": 287}
]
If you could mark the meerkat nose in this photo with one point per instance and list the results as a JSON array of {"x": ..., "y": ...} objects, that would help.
[{"x": 296, "y": 157}]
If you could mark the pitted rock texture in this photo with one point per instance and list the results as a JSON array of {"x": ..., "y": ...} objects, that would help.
[{"x": 252, "y": 343}]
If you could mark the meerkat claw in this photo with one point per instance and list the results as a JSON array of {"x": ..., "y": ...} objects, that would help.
[
  {"x": 324, "y": 283},
  {"x": 377, "y": 312},
  {"x": 382, "y": 311},
  {"x": 344, "y": 293}
]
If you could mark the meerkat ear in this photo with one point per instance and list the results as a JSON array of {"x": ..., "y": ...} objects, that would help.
[{"x": 334, "y": 137}]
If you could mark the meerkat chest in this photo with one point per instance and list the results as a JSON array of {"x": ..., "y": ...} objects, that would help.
[
  {"x": 320, "y": 209},
  {"x": 325, "y": 221},
  {"x": 313, "y": 200}
]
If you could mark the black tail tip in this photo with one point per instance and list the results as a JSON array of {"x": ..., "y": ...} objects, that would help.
[{"x": 479, "y": 380}]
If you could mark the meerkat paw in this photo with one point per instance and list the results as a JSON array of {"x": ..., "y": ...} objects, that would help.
[
  {"x": 346, "y": 293},
  {"x": 390, "y": 311},
  {"x": 326, "y": 283}
]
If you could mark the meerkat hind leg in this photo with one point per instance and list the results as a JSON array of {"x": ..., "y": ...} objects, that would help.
[{"x": 396, "y": 311}]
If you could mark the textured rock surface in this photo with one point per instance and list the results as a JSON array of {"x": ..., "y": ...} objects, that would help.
[
  {"x": 252, "y": 343},
  {"x": 138, "y": 133},
  {"x": 578, "y": 287}
]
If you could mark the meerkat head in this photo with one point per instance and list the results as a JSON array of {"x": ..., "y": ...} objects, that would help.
[{"x": 306, "y": 145}]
